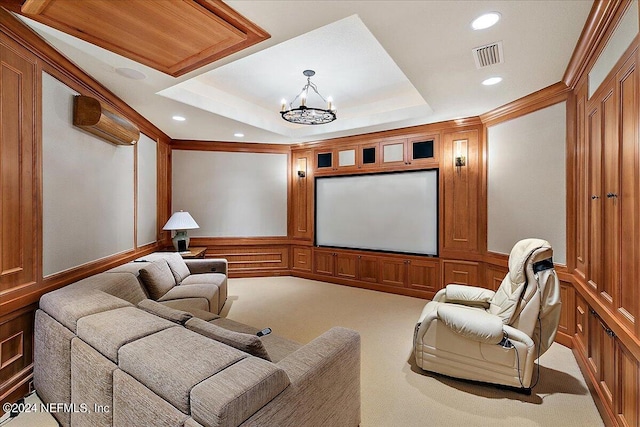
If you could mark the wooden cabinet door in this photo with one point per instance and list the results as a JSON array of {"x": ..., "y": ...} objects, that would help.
[
  {"x": 368, "y": 269},
  {"x": 601, "y": 351},
  {"x": 595, "y": 207},
  {"x": 393, "y": 152},
  {"x": 393, "y": 272},
  {"x": 583, "y": 192},
  {"x": 610, "y": 235},
  {"x": 461, "y": 272},
  {"x": 324, "y": 160},
  {"x": 594, "y": 343},
  {"x": 424, "y": 275},
  {"x": 607, "y": 367},
  {"x": 423, "y": 150},
  {"x": 346, "y": 265},
  {"x": 582, "y": 323},
  {"x": 628, "y": 391},
  {"x": 628, "y": 296},
  {"x": 346, "y": 158},
  {"x": 369, "y": 155},
  {"x": 323, "y": 262},
  {"x": 494, "y": 275}
]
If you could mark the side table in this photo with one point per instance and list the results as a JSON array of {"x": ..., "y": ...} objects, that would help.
[{"x": 194, "y": 253}]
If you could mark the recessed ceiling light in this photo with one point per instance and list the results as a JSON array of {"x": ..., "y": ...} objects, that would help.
[
  {"x": 131, "y": 73},
  {"x": 492, "y": 81},
  {"x": 178, "y": 118},
  {"x": 485, "y": 21},
  {"x": 238, "y": 135}
]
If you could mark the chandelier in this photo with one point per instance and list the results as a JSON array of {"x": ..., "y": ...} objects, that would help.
[{"x": 304, "y": 115}]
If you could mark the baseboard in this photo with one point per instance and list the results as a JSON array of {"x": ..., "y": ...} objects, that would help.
[
  {"x": 258, "y": 273},
  {"x": 564, "y": 339}
]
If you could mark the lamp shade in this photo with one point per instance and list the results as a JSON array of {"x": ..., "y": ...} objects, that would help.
[{"x": 181, "y": 221}]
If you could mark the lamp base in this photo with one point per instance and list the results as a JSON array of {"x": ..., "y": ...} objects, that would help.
[{"x": 181, "y": 241}]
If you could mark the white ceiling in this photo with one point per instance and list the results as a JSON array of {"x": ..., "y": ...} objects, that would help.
[{"x": 387, "y": 64}]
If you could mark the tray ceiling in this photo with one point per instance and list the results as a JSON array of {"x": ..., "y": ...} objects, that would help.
[{"x": 357, "y": 48}]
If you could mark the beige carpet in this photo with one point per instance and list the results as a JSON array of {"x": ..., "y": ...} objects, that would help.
[{"x": 393, "y": 392}]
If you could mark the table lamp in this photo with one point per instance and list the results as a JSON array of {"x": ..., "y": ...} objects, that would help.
[{"x": 181, "y": 222}]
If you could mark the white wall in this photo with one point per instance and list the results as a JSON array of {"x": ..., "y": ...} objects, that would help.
[
  {"x": 231, "y": 194},
  {"x": 526, "y": 181},
  {"x": 88, "y": 188}
]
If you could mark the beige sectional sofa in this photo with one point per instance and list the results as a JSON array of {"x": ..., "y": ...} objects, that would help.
[{"x": 115, "y": 357}]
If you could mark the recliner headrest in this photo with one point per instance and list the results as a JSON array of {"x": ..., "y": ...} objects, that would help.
[{"x": 521, "y": 253}]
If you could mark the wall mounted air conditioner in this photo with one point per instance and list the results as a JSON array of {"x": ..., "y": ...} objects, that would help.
[{"x": 101, "y": 120}]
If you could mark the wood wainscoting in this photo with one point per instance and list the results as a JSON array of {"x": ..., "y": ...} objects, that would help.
[{"x": 23, "y": 59}]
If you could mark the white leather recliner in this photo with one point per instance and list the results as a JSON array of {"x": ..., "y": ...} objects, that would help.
[{"x": 494, "y": 337}]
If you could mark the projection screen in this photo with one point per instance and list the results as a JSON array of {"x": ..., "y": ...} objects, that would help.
[{"x": 391, "y": 212}]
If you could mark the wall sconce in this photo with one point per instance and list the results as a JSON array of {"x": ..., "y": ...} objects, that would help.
[
  {"x": 460, "y": 160},
  {"x": 301, "y": 174}
]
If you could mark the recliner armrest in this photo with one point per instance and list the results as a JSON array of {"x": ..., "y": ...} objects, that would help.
[
  {"x": 207, "y": 265},
  {"x": 476, "y": 325},
  {"x": 468, "y": 295}
]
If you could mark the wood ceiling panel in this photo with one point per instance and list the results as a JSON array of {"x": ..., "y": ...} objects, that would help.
[{"x": 172, "y": 36}]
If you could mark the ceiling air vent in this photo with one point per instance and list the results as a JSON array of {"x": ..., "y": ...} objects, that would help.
[{"x": 488, "y": 55}]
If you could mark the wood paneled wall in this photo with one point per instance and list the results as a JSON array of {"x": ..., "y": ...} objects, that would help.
[
  {"x": 19, "y": 212},
  {"x": 611, "y": 306},
  {"x": 461, "y": 194},
  {"x": 23, "y": 58},
  {"x": 603, "y": 219}
]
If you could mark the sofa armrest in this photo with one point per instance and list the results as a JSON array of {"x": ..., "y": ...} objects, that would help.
[
  {"x": 207, "y": 265},
  {"x": 325, "y": 384},
  {"x": 310, "y": 358}
]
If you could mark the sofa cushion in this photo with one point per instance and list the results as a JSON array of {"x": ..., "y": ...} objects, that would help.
[
  {"x": 71, "y": 303},
  {"x": 171, "y": 362},
  {"x": 205, "y": 278},
  {"x": 245, "y": 342},
  {"x": 277, "y": 346},
  {"x": 210, "y": 279},
  {"x": 157, "y": 278},
  {"x": 178, "y": 267},
  {"x": 232, "y": 396},
  {"x": 208, "y": 292},
  {"x": 176, "y": 316},
  {"x": 186, "y": 304},
  {"x": 124, "y": 285},
  {"x": 110, "y": 330}
]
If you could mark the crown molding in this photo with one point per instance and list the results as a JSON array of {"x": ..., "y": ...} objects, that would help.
[
  {"x": 543, "y": 98},
  {"x": 598, "y": 27}
]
